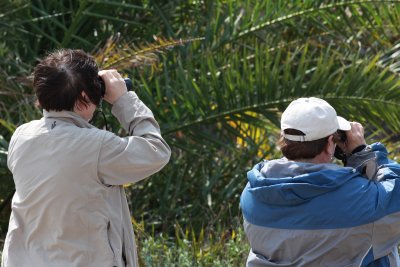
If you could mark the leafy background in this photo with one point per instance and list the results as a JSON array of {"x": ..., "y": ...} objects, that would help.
[{"x": 218, "y": 100}]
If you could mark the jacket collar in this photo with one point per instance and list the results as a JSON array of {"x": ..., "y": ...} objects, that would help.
[
  {"x": 68, "y": 116},
  {"x": 307, "y": 181}
]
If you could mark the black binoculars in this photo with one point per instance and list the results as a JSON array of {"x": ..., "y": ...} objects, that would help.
[
  {"x": 128, "y": 83},
  {"x": 339, "y": 154},
  {"x": 342, "y": 136}
]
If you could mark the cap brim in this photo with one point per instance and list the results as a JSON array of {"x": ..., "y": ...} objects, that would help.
[{"x": 344, "y": 125}]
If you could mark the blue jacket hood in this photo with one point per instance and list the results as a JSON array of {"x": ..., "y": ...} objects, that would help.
[{"x": 286, "y": 183}]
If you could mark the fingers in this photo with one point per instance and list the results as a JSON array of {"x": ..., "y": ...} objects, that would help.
[
  {"x": 357, "y": 129},
  {"x": 110, "y": 75},
  {"x": 115, "y": 85},
  {"x": 355, "y": 137},
  {"x": 355, "y": 124}
]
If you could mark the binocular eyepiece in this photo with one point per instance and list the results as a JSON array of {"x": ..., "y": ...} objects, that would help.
[{"x": 128, "y": 83}]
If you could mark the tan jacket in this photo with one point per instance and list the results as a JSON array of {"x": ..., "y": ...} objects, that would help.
[{"x": 70, "y": 208}]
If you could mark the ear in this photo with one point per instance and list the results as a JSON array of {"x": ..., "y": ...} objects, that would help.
[
  {"x": 330, "y": 146},
  {"x": 79, "y": 105}
]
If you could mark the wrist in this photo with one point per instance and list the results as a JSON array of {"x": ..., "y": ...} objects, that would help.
[
  {"x": 358, "y": 148},
  {"x": 114, "y": 98}
]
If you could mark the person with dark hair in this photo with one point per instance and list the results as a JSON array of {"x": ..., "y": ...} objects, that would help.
[
  {"x": 70, "y": 208},
  {"x": 305, "y": 210}
]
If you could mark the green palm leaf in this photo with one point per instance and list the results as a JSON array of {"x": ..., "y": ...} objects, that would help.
[{"x": 214, "y": 98}]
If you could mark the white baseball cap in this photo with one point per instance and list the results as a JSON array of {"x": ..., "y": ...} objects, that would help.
[{"x": 314, "y": 117}]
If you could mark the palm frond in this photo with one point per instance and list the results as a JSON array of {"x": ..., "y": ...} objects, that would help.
[
  {"x": 302, "y": 13},
  {"x": 128, "y": 55},
  {"x": 217, "y": 101}
]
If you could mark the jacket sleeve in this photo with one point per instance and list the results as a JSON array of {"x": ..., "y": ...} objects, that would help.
[
  {"x": 10, "y": 151},
  {"x": 386, "y": 202},
  {"x": 370, "y": 161},
  {"x": 141, "y": 154}
]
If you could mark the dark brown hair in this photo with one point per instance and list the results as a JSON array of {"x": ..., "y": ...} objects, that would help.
[
  {"x": 301, "y": 150},
  {"x": 62, "y": 75}
]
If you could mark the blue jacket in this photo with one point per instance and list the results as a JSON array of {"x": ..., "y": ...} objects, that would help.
[{"x": 304, "y": 214}]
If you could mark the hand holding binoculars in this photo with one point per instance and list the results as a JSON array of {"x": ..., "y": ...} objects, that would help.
[{"x": 128, "y": 83}]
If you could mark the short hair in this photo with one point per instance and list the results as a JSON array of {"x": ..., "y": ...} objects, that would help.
[
  {"x": 60, "y": 78},
  {"x": 294, "y": 150}
]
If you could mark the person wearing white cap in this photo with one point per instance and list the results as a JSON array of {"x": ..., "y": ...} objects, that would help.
[{"x": 305, "y": 210}]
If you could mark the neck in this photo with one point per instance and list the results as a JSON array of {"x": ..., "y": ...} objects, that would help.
[{"x": 318, "y": 159}]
